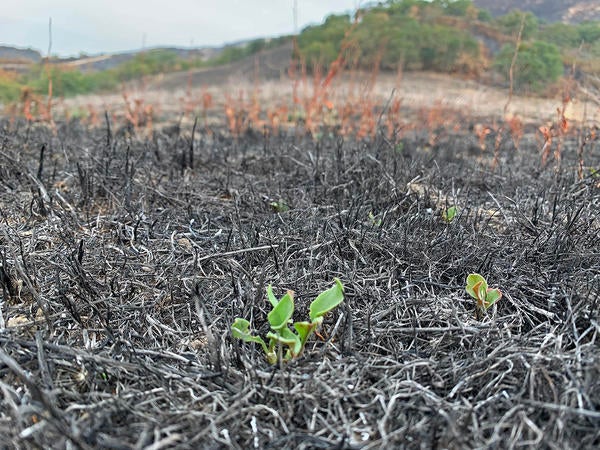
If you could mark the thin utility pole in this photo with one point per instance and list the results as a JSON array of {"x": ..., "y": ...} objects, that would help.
[
  {"x": 49, "y": 37},
  {"x": 295, "y": 14},
  {"x": 49, "y": 75}
]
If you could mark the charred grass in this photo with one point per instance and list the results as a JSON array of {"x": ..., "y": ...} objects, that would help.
[{"x": 124, "y": 262}]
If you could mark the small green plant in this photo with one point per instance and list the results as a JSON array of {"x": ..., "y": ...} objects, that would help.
[
  {"x": 477, "y": 288},
  {"x": 448, "y": 214},
  {"x": 374, "y": 219},
  {"x": 279, "y": 206},
  {"x": 280, "y": 318}
]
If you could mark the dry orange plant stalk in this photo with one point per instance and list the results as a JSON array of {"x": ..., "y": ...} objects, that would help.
[
  {"x": 137, "y": 114},
  {"x": 207, "y": 102},
  {"x": 235, "y": 112},
  {"x": 515, "y": 126},
  {"x": 481, "y": 131}
]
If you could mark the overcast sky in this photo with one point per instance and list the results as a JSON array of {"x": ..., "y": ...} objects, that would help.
[{"x": 95, "y": 26}]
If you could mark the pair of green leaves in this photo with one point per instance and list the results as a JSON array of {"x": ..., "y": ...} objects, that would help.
[
  {"x": 478, "y": 288},
  {"x": 280, "y": 318},
  {"x": 375, "y": 219}
]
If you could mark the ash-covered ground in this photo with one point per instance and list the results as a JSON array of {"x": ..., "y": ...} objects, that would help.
[{"x": 125, "y": 260}]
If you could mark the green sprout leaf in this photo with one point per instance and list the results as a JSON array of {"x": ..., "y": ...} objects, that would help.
[
  {"x": 271, "y": 296},
  {"x": 281, "y": 314},
  {"x": 472, "y": 280},
  {"x": 375, "y": 220},
  {"x": 304, "y": 330},
  {"x": 492, "y": 296},
  {"x": 448, "y": 214},
  {"x": 326, "y": 301},
  {"x": 288, "y": 338},
  {"x": 241, "y": 330},
  {"x": 480, "y": 290},
  {"x": 477, "y": 288},
  {"x": 279, "y": 206}
]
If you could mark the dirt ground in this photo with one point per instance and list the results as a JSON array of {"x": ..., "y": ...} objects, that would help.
[
  {"x": 125, "y": 260},
  {"x": 417, "y": 90}
]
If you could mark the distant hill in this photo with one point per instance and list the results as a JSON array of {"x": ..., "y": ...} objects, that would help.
[
  {"x": 14, "y": 59},
  {"x": 17, "y": 59},
  {"x": 9, "y": 53},
  {"x": 567, "y": 11},
  {"x": 271, "y": 64},
  {"x": 111, "y": 60}
]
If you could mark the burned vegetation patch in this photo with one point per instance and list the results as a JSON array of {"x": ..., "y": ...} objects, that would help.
[{"x": 124, "y": 262}]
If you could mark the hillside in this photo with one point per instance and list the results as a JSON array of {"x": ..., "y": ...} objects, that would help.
[
  {"x": 271, "y": 64},
  {"x": 568, "y": 11},
  {"x": 410, "y": 35},
  {"x": 19, "y": 54},
  {"x": 111, "y": 61},
  {"x": 18, "y": 60}
]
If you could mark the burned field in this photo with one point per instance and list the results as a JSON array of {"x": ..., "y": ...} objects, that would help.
[{"x": 126, "y": 260}]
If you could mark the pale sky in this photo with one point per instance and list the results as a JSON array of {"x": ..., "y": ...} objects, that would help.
[{"x": 96, "y": 26}]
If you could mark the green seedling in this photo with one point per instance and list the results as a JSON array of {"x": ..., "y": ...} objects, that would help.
[
  {"x": 448, "y": 214},
  {"x": 279, "y": 206},
  {"x": 477, "y": 288},
  {"x": 374, "y": 219},
  {"x": 280, "y": 318}
]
